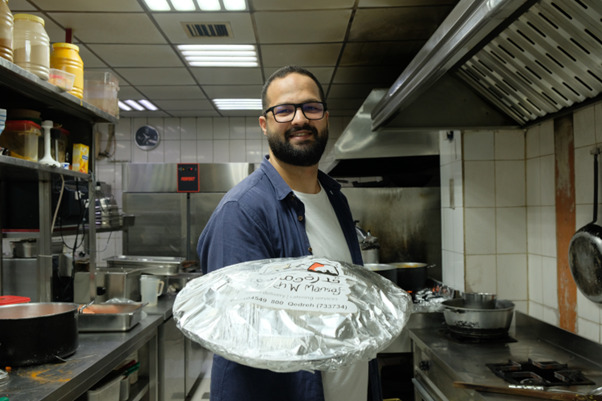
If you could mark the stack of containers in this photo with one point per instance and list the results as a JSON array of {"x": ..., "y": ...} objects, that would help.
[
  {"x": 6, "y": 31},
  {"x": 22, "y": 133},
  {"x": 31, "y": 45},
  {"x": 101, "y": 89}
]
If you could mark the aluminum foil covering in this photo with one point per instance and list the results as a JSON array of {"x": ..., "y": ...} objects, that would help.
[{"x": 293, "y": 314}]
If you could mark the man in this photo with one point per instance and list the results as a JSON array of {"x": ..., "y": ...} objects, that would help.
[{"x": 286, "y": 208}]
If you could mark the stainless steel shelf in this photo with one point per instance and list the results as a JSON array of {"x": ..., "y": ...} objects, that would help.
[
  {"x": 21, "y": 85},
  {"x": 12, "y": 168}
]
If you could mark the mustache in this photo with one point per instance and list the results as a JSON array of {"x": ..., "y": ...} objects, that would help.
[{"x": 294, "y": 130}]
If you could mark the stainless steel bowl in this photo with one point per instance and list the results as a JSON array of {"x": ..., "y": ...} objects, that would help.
[
  {"x": 478, "y": 323},
  {"x": 479, "y": 300}
]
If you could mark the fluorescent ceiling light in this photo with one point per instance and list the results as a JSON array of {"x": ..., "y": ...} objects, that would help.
[
  {"x": 148, "y": 105},
  {"x": 123, "y": 106},
  {"x": 141, "y": 105},
  {"x": 158, "y": 5},
  {"x": 183, "y": 5},
  {"x": 234, "y": 5},
  {"x": 237, "y": 104},
  {"x": 219, "y": 55},
  {"x": 209, "y": 5}
]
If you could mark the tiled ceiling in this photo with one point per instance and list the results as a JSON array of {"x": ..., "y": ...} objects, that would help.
[{"x": 352, "y": 46}]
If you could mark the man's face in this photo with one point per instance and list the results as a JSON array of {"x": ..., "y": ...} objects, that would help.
[{"x": 300, "y": 142}]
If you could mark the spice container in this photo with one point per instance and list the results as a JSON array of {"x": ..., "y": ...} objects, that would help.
[
  {"x": 101, "y": 90},
  {"x": 65, "y": 56},
  {"x": 31, "y": 45},
  {"x": 21, "y": 137},
  {"x": 6, "y": 31}
]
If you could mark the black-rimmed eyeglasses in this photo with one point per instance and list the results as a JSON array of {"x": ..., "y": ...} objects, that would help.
[{"x": 284, "y": 113}]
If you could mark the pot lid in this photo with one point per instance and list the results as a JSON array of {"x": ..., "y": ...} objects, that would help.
[{"x": 293, "y": 314}]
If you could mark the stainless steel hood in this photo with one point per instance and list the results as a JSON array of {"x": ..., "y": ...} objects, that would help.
[{"x": 499, "y": 63}]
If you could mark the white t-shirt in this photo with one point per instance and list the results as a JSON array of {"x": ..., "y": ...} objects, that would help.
[{"x": 327, "y": 240}]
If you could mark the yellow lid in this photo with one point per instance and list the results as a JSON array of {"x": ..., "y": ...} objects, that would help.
[
  {"x": 67, "y": 45},
  {"x": 29, "y": 17}
]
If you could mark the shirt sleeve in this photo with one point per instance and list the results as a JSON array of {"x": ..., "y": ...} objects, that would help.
[{"x": 234, "y": 234}]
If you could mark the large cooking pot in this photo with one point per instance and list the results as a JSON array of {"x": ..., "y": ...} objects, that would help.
[
  {"x": 585, "y": 251},
  {"x": 478, "y": 323},
  {"x": 411, "y": 276},
  {"x": 36, "y": 333},
  {"x": 384, "y": 270}
]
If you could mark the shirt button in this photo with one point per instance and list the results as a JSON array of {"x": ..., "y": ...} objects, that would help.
[{"x": 300, "y": 218}]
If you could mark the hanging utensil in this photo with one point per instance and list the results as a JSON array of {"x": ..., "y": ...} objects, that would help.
[
  {"x": 526, "y": 392},
  {"x": 585, "y": 250}
]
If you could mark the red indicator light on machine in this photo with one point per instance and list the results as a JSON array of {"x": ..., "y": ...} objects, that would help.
[{"x": 188, "y": 177}]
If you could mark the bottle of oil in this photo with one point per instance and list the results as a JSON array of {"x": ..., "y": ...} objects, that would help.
[
  {"x": 65, "y": 56},
  {"x": 6, "y": 31},
  {"x": 31, "y": 45}
]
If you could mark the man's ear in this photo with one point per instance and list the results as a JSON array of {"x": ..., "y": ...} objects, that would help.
[{"x": 263, "y": 124}]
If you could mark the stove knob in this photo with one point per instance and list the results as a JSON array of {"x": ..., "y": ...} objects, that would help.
[{"x": 424, "y": 365}]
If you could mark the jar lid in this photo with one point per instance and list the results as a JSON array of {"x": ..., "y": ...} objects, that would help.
[
  {"x": 29, "y": 17},
  {"x": 67, "y": 45}
]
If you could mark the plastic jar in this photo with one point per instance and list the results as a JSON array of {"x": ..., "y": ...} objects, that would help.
[
  {"x": 6, "y": 31},
  {"x": 31, "y": 45},
  {"x": 65, "y": 56}
]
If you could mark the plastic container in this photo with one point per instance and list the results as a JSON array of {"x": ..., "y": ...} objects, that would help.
[
  {"x": 31, "y": 45},
  {"x": 80, "y": 158},
  {"x": 21, "y": 138},
  {"x": 62, "y": 79},
  {"x": 65, "y": 57},
  {"x": 101, "y": 90},
  {"x": 6, "y": 31}
]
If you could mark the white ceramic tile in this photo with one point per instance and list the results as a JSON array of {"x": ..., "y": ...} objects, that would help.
[
  {"x": 139, "y": 155},
  {"x": 187, "y": 151},
  {"x": 511, "y": 230},
  {"x": 447, "y": 151},
  {"x": 204, "y": 128},
  {"x": 445, "y": 177},
  {"x": 253, "y": 131},
  {"x": 548, "y": 231},
  {"x": 549, "y": 282},
  {"x": 204, "y": 151},
  {"x": 533, "y": 184},
  {"x": 512, "y": 276},
  {"x": 157, "y": 155},
  {"x": 479, "y": 231},
  {"x": 171, "y": 129},
  {"x": 221, "y": 128},
  {"x": 253, "y": 150},
  {"x": 532, "y": 142},
  {"x": 123, "y": 129},
  {"x": 546, "y": 137},
  {"x": 458, "y": 176},
  {"x": 584, "y": 126},
  {"x": 587, "y": 309},
  {"x": 172, "y": 152},
  {"x": 187, "y": 128},
  {"x": 221, "y": 151},
  {"x": 458, "y": 224},
  {"x": 481, "y": 273},
  {"x": 479, "y": 184},
  {"x": 547, "y": 180},
  {"x": 238, "y": 151},
  {"x": 534, "y": 230},
  {"x": 238, "y": 128},
  {"x": 535, "y": 278},
  {"x": 478, "y": 145},
  {"x": 446, "y": 237},
  {"x": 509, "y": 145},
  {"x": 588, "y": 329},
  {"x": 536, "y": 310},
  {"x": 509, "y": 183},
  {"x": 123, "y": 151},
  {"x": 521, "y": 306}
]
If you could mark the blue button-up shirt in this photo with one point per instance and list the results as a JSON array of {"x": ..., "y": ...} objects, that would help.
[{"x": 260, "y": 218}]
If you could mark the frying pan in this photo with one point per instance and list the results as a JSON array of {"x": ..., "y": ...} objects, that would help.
[{"x": 585, "y": 251}]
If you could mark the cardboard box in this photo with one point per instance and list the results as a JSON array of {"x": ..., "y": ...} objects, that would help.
[{"x": 80, "y": 158}]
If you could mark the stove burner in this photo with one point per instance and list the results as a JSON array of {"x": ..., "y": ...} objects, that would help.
[{"x": 547, "y": 373}]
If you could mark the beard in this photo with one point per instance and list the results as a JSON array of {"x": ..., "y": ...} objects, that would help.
[{"x": 305, "y": 154}]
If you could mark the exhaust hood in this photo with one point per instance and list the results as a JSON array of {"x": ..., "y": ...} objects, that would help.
[{"x": 499, "y": 63}]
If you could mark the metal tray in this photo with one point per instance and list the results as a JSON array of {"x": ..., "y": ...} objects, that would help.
[
  {"x": 150, "y": 264},
  {"x": 109, "y": 317}
]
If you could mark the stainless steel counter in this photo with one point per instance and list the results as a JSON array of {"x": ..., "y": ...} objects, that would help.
[
  {"x": 440, "y": 360},
  {"x": 95, "y": 357}
]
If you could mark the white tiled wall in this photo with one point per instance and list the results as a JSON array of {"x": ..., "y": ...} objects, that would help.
[
  {"x": 183, "y": 140},
  {"x": 503, "y": 239}
]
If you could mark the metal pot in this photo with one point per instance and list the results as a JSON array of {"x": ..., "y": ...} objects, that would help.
[
  {"x": 478, "y": 323},
  {"x": 411, "y": 276},
  {"x": 384, "y": 270},
  {"x": 36, "y": 333},
  {"x": 585, "y": 252}
]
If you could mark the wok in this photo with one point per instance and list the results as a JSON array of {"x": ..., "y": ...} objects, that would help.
[
  {"x": 585, "y": 251},
  {"x": 478, "y": 323}
]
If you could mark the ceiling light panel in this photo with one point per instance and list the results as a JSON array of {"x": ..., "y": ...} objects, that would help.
[
  {"x": 158, "y": 5},
  {"x": 183, "y": 5},
  {"x": 237, "y": 104},
  {"x": 203, "y": 5},
  {"x": 219, "y": 55}
]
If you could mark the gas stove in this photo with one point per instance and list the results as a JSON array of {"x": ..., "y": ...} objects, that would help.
[{"x": 539, "y": 373}]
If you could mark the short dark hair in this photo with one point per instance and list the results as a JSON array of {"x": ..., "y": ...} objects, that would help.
[{"x": 283, "y": 72}]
